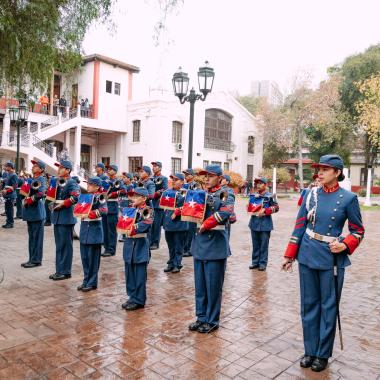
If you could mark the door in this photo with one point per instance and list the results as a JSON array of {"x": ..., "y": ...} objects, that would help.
[{"x": 74, "y": 95}]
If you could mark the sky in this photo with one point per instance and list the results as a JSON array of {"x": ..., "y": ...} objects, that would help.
[{"x": 243, "y": 40}]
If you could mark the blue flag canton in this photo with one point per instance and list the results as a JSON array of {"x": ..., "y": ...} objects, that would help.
[
  {"x": 197, "y": 196},
  {"x": 129, "y": 212},
  {"x": 169, "y": 193},
  {"x": 85, "y": 198},
  {"x": 53, "y": 182}
]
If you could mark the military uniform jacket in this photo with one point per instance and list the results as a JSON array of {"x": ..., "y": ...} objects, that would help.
[
  {"x": 264, "y": 223},
  {"x": 175, "y": 224},
  {"x": 332, "y": 209},
  {"x": 69, "y": 194},
  {"x": 11, "y": 180},
  {"x": 136, "y": 249},
  {"x": 91, "y": 229},
  {"x": 232, "y": 195},
  {"x": 33, "y": 208},
  {"x": 213, "y": 243},
  {"x": 158, "y": 190},
  {"x": 123, "y": 195},
  {"x": 150, "y": 186}
]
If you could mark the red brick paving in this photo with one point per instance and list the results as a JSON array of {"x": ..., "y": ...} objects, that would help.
[{"x": 49, "y": 330}]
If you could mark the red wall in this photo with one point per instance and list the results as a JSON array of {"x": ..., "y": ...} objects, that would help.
[{"x": 374, "y": 189}]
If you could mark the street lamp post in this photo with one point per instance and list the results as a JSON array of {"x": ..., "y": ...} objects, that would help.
[
  {"x": 19, "y": 115},
  {"x": 181, "y": 85}
]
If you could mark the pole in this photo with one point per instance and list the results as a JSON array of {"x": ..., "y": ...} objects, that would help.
[
  {"x": 337, "y": 300},
  {"x": 18, "y": 147},
  {"x": 274, "y": 181},
  {"x": 192, "y": 98},
  {"x": 300, "y": 162},
  {"x": 368, "y": 192}
]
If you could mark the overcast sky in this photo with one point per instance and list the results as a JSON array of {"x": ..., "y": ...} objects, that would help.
[{"x": 243, "y": 39}]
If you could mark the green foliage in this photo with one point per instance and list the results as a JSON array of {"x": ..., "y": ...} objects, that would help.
[
  {"x": 251, "y": 103},
  {"x": 282, "y": 174},
  {"x": 38, "y": 36},
  {"x": 362, "y": 193}
]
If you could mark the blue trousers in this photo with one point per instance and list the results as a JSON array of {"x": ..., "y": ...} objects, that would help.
[
  {"x": 190, "y": 233},
  {"x": 318, "y": 309},
  {"x": 36, "y": 241},
  {"x": 90, "y": 255},
  {"x": 63, "y": 235},
  {"x": 9, "y": 212},
  {"x": 135, "y": 279},
  {"x": 48, "y": 212},
  {"x": 260, "y": 245},
  {"x": 209, "y": 278},
  {"x": 109, "y": 223},
  {"x": 175, "y": 241},
  {"x": 18, "y": 205},
  {"x": 155, "y": 232}
]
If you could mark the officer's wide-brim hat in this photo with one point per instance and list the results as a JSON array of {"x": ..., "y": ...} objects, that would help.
[
  {"x": 158, "y": 163},
  {"x": 178, "y": 176},
  {"x": 261, "y": 179},
  {"x": 9, "y": 164},
  {"x": 211, "y": 169},
  {"x": 39, "y": 163},
  {"x": 146, "y": 169},
  {"x": 189, "y": 171},
  {"x": 139, "y": 191},
  {"x": 128, "y": 175},
  {"x": 94, "y": 181},
  {"x": 101, "y": 165},
  {"x": 64, "y": 164},
  {"x": 113, "y": 167},
  {"x": 329, "y": 161}
]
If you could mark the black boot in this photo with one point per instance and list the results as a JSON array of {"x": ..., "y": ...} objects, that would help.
[
  {"x": 306, "y": 361},
  {"x": 319, "y": 364}
]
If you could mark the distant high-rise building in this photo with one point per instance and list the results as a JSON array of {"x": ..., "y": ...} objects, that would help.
[{"x": 267, "y": 89}]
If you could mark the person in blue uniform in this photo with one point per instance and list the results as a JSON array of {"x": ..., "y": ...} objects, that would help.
[
  {"x": 320, "y": 248},
  {"x": 34, "y": 214},
  {"x": 136, "y": 252},
  {"x": 145, "y": 181},
  {"x": 91, "y": 236},
  {"x": 124, "y": 200},
  {"x": 47, "y": 208},
  {"x": 261, "y": 225},
  {"x": 190, "y": 184},
  {"x": 161, "y": 183},
  {"x": 225, "y": 183},
  {"x": 63, "y": 220},
  {"x": 100, "y": 170},
  {"x": 19, "y": 197},
  {"x": 110, "y": 220},
  {"x": 210, "y": 249},
  {"x": 313, "y": 183},
  {"x": 175, "y": 229},
  {"x": 9, "y": 193}
]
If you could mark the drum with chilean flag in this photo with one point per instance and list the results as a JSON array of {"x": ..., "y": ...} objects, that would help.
[
  {"x": 51, "y": 192},
  {"x": 167, "y": 200},
  {"x": 25, "y": 187},
  {"x": 83, "y": 207},
  {"x": 126, "y": 220},
  {"x": 194, "y": 208},
  {"x": 255, "y": 204}
]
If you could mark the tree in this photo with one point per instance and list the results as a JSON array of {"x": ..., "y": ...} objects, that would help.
[
  {"x": 282, "y": 175},
  {"x": 39, "y": 36},
  {"x": 368, "y": 109}
]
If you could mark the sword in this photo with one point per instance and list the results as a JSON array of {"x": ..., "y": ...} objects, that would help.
[{"x": 337, "y": 301}]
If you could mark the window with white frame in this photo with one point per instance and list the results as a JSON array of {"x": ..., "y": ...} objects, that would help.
[
  {"x": 251, "y": 144},
  {"x": 176, "y": 165},
  {"x": 136, "y": 126},
  {"x": 117, "y": 88},
  {"x": 177, "y": 132}
]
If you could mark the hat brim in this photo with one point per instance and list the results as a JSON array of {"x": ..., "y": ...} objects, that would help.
[
  {"x": 317, "y": 165},
  {"x": 132, "y": 192},
  {"x": 259, "y": 180},
  {"x": 175, "y": 177}
]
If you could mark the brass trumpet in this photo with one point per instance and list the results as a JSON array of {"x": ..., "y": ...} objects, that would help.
[
  {"x": 35, "y": 185},
  {"x": 102, "y": 198},
  {"x": 118, "y": 184},
  {"x": 145, "y": 213},
  {"x": 62, "y": 182}
]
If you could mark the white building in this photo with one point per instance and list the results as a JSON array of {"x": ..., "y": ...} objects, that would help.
[
  {"x": 269, "y": 90},
  {"x": 115, "y": 129}
]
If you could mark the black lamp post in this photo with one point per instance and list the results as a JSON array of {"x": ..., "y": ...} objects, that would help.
[
  {"x": 180, "y": 81},
  {"x": 19, "y": 115}
]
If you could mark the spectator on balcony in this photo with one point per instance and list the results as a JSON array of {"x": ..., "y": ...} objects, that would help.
[
  {"x": 63, "y": 155},
  {"x": 86, "y": 108},
  {"x": 82, "y": 107},
  {"x": 44, "y": 101},
  {"x": 55, "y": 105},
  {"x": 62, "y": 105}
]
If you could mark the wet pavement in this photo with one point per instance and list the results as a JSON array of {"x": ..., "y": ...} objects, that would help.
[{"x": 49, "y": 330}]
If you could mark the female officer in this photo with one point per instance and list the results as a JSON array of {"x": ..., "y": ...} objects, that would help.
[{"x": 318, "y": 246}]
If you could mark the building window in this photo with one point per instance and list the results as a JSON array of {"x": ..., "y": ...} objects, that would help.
[
  {"x": 109, "y": 86},
  {"x": 250, "y": 173},
  {"x": 136, "y": 130},
  {"x": 106, "y": 160},
  {"x": 251, "y": 144},
  {"x": 216, "y": 163},
  {"x": 226, "y": 166},
  {"x": 363, "y": 177},
  {"x": 117, "y": 88},
  {"x": 176, "y": 165},
  {"x": 205, "y": 163},
  {"x": 218, "y": 128},
  {"x": 177, "y": 132},
  {"x": 134, "y": 163}
]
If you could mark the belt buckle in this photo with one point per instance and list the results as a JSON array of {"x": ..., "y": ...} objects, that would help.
[{"x": 318, "y": 236}]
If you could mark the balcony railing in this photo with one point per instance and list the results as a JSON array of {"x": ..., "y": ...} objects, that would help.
[{"x": 216, "y": 144}]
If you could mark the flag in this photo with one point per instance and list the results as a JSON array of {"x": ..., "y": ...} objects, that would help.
[
  {"x": 167, "y": 200},
  {"x": 194, "y": 208},
  {"x": 83, "y": 207},
  {"x": 51, "y": 192},
  {"x": 126, "y": 220},
  {"x": 255, "y": 204},
  {"x": 25, "y": 187}
]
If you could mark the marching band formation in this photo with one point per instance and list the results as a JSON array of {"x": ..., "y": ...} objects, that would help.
[{"x": 197, "y": 220}]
